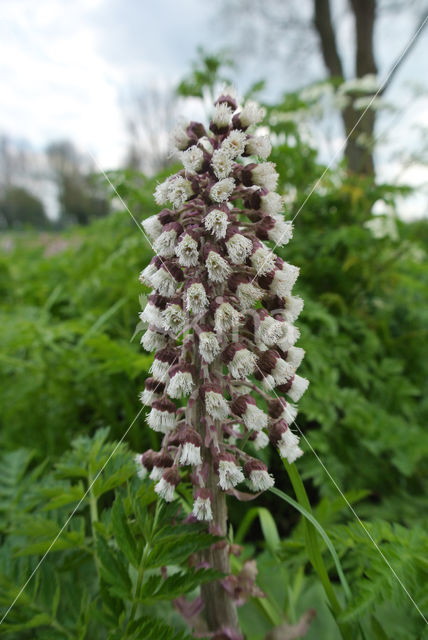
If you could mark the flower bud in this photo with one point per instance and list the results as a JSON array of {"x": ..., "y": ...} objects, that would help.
[
  {"x": 164, "y": 245},
  {"x": 226, "y": 317},
  {"x": 279, "y": 409},
  {"x": 295, "y": 387},
  {"x": 246, "y": 291},
  {"x": 271, "y": 364},
  {"x": 180, "y": 380},
  {"x": 262, "y": 259},
  {"x": 238, "y": 246},
  {"x": 187, "y": 249},
  {"x": 240, "y": 361},
  {"x": 152, "y": 226},
  {"x": 275, "y": 229},
  {"x": 215, "y": 404},
  {"x": 202, "y": 506},
  {"x": 209, "y": 347},
  {"x": 230, "y": 474},
  {"x": 162, "y": 416},
  {"x": 167, "y": 484},
  {"x": 259, "y": 479},
  {"x": 252, "y": 113},
  {"x": 259, "y": 146},
  {"x": 217, "y": 221},
  {"x": 153, "y": 339},
  {"x": 286, "y": 441},
  {"x": 222, "y": 190},
  {"x": 167, "y": 279},
  {"x": 234, "y": 144},
  {"x": 218, "y": 268},
  {"x": 222, "y": 118},
  {"x": 153, "y": 389},
  {"x": 245, "y": 407},
  {"x": 159, "y": 463},
  {"x": 144, "y": 463},
  {"x": 191, "y": 443},
  {"x": 192, "y": 159},
  {"x": 196, "y": 297},
  {"x": 163, "y": 360}
]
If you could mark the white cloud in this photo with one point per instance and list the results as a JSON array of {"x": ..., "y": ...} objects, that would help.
[
  {"x": 64, "y": 66},
  {"x": 64, "y": 73}
]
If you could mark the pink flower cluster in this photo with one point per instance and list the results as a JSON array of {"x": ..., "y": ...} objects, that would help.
[{"x": 221, "y": 314}]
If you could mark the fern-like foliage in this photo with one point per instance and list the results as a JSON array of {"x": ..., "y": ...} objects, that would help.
[{"x": 119, "y": 557}]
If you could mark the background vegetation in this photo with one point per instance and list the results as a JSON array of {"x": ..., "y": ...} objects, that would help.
[{"x": 70, "y": 374}]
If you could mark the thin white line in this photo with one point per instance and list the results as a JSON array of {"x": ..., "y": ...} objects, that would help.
[
  {"x": 395, "y": 65},
  {"x": 71, "y": 515},
  {"x": 124, "y": 435},
  {"x": 130, "y": 213},
  {"x": 78, "y": 504},
  {"x": 101, "y": 170},
  {"x": 318, "y": 181},
  {"x": 361, "y": 523},
  {"x": 355, "y": 514}
]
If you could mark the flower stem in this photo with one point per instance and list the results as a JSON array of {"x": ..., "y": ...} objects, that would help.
[{"x": 220, "y": 610}]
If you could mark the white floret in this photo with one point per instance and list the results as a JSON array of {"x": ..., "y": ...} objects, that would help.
[
  {"x": 238, "y": 248},
  {"x": 221, "y": 163},
  {"x": 181, "y": 384},
  {"x": 259, "y": 146},
  {"x": 222, "y": 115},
  {"x": 202, "y": 509},
  {"x": 187, "y": 252},
  {"x": 234, "y": 144},
  {"x": 192, "y": 159},
  {"x": 216, "y": 405},
  {"x": 222, "y": 190},
  {"x": 229, "y": 475},
  {"x": 218, "y": 268},
  {"x": 252, "y": 113},
  {"x": 217, "y": 222}
]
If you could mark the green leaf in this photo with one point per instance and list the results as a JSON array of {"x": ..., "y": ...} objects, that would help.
[
  {"x": 313, "y": 549},
  {"x": 158, "y": 588},
  {"x": 60, "y": 496},
  {"x": 154, "y": 629},
  {"x": 113, "y": 570},
  {"x": 56, "y": 598},
  {"x": 269, "y": 529},
  {"x": 112, "y": 480},
  {"x": 38, "y": 620},
  {"x": 322, "y": 533},
  {"x": 122, "y": 533},
  {"x": 175, "y": 549},
  {"x": 377, "y": 629}
]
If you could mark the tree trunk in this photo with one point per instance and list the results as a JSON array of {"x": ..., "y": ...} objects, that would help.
[
  {"x": 359, "y": 156},
  {"x": 219, "y": 608}
]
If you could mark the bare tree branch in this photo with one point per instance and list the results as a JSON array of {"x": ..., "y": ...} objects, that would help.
[{"x": 149, "y": 114}]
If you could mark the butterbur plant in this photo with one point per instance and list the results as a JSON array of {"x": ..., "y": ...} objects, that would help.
[{"x": 220, "y": 321}]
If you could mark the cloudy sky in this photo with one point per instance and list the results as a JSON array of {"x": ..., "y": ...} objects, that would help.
[{"x": 65, "y": 66}]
